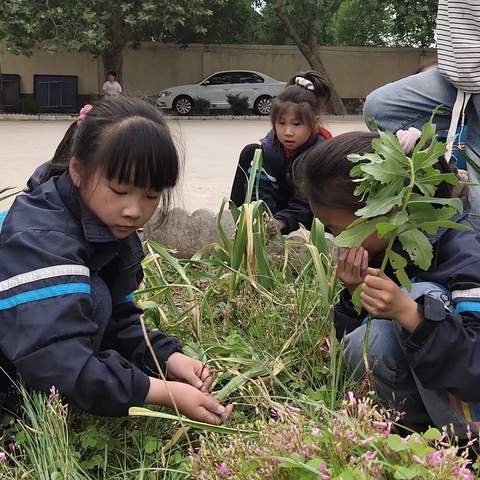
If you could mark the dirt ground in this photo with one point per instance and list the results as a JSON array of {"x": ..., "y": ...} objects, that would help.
[{"x": 211, "y": 149}]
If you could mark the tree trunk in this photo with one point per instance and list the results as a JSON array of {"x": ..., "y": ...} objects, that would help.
[
  {"x": 336, "y": 102},
  {"x": 112, "y": 57},
  {"x": 2, "y": 97},
  {"x": 311, "y": 52}
]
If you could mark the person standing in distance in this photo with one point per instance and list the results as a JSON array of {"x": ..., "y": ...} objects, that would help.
[{"x": 111, "y": 88}]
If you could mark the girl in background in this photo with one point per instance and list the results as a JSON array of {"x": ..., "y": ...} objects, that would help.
[{"x": 295, "y": 117}]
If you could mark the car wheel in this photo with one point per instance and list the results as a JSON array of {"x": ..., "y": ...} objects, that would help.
[
  {"x": 263, "y": 105},
  {"x": 183, "y": 105}
]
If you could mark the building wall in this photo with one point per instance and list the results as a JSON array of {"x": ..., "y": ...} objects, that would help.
[{"x": 355, "y": 71}]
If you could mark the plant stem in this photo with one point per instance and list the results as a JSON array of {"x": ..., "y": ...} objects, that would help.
[
  {"x": 386, "y": 257},
  {"x": 369, "y": 317}
]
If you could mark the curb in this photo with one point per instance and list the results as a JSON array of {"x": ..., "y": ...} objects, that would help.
[{"x": 72, "y": 117}]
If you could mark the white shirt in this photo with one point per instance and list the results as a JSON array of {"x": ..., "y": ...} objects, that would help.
[{"x": 112, "y": 88}]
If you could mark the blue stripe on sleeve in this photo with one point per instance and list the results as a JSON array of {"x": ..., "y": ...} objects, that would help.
[
  {"x": 467, "y": 307},
  {"x": 2, "y": 217},
  {"x": 126, "y": 299},
  {"x": 43, "y": 293}
]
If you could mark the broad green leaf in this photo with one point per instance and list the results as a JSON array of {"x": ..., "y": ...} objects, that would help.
[
  {"x": 432, "y": 434},
  {"x": 393, "y": 222},
  {"x": 399, "y": 263},
  {"x": 428, "y": 133},
  {"x": 379, "y": 206},
  {"x": 383, "y": 172},
  {"x": 353, "y": 237},
  {"x": 405, "y": 473},
  {"x": 429, "y": 157},
  {"x": 455, "y": 203},
  {"x": 389, "y": 147},
  {"x": 431, "y": 214},
  {"x": 418, "y": 247},
  {"x": 373, "y": 157},
  {"x": 356, "y": 300},
  {"x": 395, "y": 442}
]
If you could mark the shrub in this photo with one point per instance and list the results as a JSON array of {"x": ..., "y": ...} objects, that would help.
[
  {"x": 238, "y": 104},
  {"x": 201, "y": 106},
  {"x": 30, "y": 106}
]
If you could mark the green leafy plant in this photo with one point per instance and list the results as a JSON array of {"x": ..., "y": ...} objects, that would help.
[
  {"x": 29, "y": 106},
  {"x": 201, "y": 106},
  {"x": 400, "y": 203},
  {"x": 355, "y": 443},
  {"x": 238, "y": 104},
  {"x": 400, "y": 199}
]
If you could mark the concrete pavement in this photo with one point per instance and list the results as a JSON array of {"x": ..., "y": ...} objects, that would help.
[{"x": 211, "y": 149}]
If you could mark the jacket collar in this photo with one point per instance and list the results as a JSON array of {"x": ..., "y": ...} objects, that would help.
[{"x": 93, "y": 228}]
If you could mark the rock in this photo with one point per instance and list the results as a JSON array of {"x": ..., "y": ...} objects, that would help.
[{"x": 187, "y": 233}]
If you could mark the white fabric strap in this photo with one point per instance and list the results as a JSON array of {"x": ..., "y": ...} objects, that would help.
[
  {"x": 303, "y": 82},
  {"x": 458, "y": 109}
]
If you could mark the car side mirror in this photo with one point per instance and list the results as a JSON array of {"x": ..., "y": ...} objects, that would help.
[{"x": 206, "y": 82}]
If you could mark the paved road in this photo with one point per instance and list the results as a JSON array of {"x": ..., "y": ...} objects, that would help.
[{"x": 211, "y": 151}]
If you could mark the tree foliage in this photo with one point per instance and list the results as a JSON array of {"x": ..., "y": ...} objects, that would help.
[
  {"x": 231, "y": 22},
  {"x": 306, "y": 22},
  {"x": 405, "y": 23},
  {"x": 314, "y": 23},
  {"x": 101, "y": 27}
]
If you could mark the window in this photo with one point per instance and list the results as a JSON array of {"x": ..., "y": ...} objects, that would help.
[
  {"x": 220, "y": 79},
  {"x": 246, "y": 77}
]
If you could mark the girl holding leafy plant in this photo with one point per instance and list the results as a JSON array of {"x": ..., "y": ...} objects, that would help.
[
  {"x": 71, "y": 259},
  {"x": 411, "y": 264},
  {"x": 295, "y": 117}
]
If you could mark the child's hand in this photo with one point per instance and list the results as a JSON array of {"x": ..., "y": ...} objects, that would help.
[
  {"x": 352, "y": 267},
  {"x": 190, "y": 370},
  {"x": 272, "y": 229},
  {"x": 197, "y": 405},
  {"x": 383, "y": 298}
]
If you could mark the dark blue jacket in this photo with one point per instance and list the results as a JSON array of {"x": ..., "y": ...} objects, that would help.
[
  {"x": 50, "y": 246},
  {"x": 444, "y": 350},
  {"x": 276, "y": 187}
]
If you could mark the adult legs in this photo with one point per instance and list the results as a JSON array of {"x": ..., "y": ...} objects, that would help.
[
  {"x": 409, "y": 103},
  {"x": 237, "y": 194}
]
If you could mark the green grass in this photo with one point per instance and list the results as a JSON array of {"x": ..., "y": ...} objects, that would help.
[{"x": 261, "y": 317}]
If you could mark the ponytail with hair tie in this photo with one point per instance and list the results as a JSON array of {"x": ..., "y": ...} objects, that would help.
[
  {"x": 83, "y": 114},
  {"x": 303, "y": 82}
]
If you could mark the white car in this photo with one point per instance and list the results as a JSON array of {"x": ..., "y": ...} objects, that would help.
[{"x": 257, "y": 87}]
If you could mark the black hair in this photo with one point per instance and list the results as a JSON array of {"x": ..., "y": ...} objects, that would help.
[
  {"x": 62, "y": 154},
  {"x": 308, "y": 104},
  {"x": 112, "y": 72},
  {"x": 322, "y": 175},
  {"x": 127, "y": 140}
]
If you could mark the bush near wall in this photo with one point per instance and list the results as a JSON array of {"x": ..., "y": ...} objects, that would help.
[{"x": 238, "y": 104}]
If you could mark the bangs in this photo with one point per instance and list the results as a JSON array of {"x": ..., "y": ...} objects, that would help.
[
  {"x": 139, "y": 152},
  {"x": 302, "y": 111}
]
